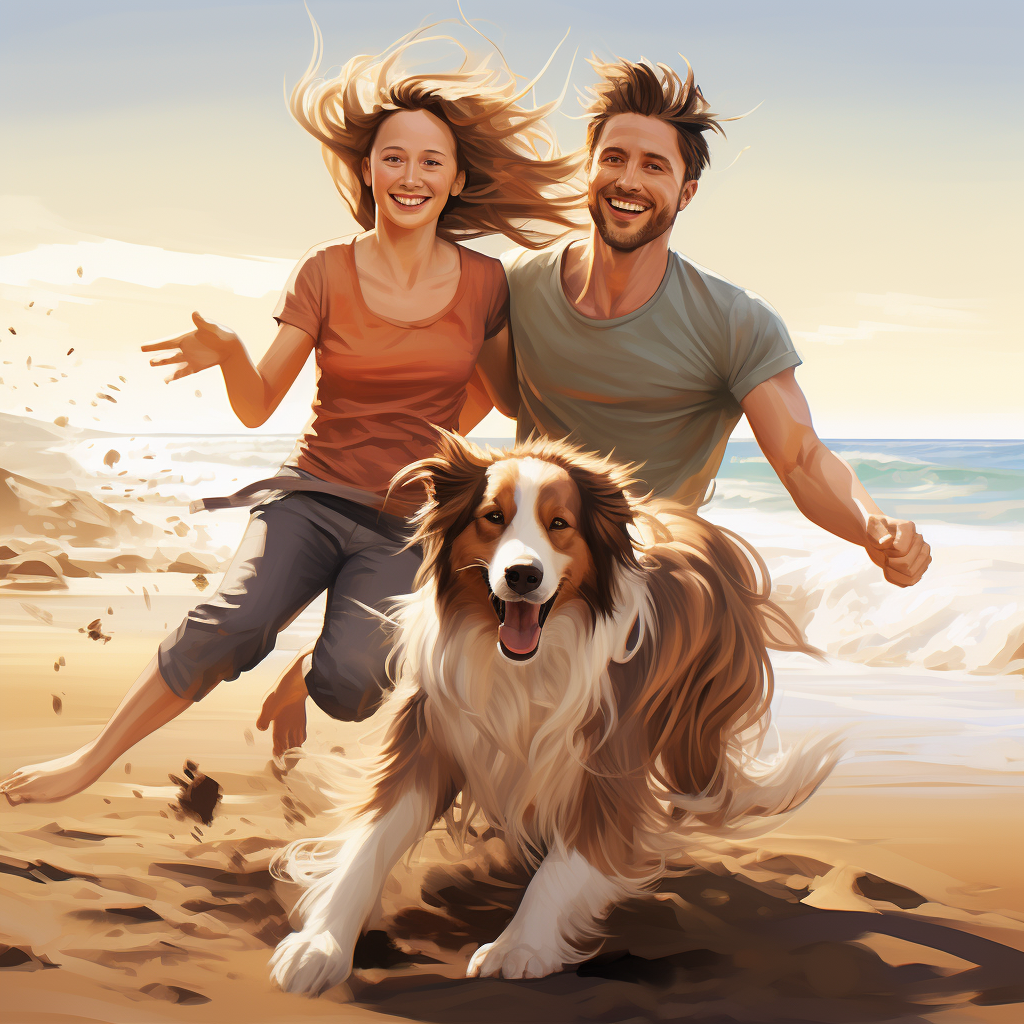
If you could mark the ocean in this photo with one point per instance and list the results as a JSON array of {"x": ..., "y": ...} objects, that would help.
[
  {"x": 929, "y": 674},
  {"x": 967, "y": 497}
]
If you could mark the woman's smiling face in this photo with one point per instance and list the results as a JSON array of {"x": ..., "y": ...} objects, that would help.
[{"x": 412, "y": 168}]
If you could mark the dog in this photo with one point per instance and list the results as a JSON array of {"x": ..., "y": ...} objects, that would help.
[{"x": 589, "y": 671}]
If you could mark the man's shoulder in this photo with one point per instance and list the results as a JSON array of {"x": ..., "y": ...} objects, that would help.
[
  {"x": 728, "y": 296},
  {"x": 527, "y": 264}
]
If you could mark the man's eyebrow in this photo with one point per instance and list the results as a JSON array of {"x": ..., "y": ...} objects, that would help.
[{"x": 649, "y": 156}]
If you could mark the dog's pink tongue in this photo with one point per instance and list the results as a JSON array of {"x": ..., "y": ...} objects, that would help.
[{"x": 520, "y": 632}]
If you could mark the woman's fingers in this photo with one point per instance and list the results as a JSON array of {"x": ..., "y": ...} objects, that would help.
[
  {"x": 158, "y": 346},
  {"x": 178, "y": 357},
  {"x": 185, "y": 371}
]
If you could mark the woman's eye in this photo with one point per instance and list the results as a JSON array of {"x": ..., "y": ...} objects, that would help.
[
  {"x": 559, "y": 524},
  {"x": 495, "y": 517}
]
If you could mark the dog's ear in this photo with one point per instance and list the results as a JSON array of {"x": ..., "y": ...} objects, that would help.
[
  {"x": 447, "y": 474},
  {"x": 455, "y": 479},
  {"x": 606, "y": 512}
]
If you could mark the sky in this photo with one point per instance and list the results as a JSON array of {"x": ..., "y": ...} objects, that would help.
[{"x": 873, "y": 196}]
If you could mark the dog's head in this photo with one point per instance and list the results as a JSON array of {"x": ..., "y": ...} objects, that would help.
[{"x": 519, "y": 534}]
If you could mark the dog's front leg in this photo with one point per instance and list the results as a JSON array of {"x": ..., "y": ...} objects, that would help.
[
  {"x": 561, "y": 911},
  {"x": 335, "y": 909}
]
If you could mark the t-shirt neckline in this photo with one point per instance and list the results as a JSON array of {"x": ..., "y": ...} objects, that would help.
[
  {"x": 357, "y": 290},
  {"x": 614, "y": 321}
]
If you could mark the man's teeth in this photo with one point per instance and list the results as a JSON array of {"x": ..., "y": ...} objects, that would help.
[
  {"x": 621, "y": 204},
  {"x": 410, "y": 200}
]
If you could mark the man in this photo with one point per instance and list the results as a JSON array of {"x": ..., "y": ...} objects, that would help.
[{"x": 626, "y": 346}]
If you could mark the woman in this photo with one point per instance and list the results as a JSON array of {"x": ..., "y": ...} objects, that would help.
[{"x": 403, "y": 322}]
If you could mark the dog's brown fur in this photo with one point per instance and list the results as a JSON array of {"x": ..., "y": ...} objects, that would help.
[{"x": 699, "y": 679}]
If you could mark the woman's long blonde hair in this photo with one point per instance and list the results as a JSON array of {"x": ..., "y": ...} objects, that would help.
[{"x": 514, "y": 170}]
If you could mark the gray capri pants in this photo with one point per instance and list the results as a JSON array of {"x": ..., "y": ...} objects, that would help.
[{"x": 294, "y": 548}]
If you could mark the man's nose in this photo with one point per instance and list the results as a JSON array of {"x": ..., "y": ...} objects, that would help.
[{"x": 629, "y": 180}]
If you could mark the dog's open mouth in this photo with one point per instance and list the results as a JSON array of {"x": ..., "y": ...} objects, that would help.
[{"x": 520, "y": 624}]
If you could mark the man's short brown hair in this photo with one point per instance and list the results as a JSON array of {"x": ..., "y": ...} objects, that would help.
[{"x": 654, "y": 91}]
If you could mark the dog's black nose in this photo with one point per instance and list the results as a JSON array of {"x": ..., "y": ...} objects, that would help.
[{"x": 524, "y": 579}]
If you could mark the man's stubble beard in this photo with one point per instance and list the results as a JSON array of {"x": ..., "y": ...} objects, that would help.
[{"x": 654, "y": 228}]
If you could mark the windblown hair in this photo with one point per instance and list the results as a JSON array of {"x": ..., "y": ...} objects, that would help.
[
  {"x": 514, "y": 170},
  {"x": 654, "y": 91}
]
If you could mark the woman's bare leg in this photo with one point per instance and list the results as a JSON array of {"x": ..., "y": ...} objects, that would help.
[
  {"x": 149, "y": 704},
  {"x": 284, "y": 707}
]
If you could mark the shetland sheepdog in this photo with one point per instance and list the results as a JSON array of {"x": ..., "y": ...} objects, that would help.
[{"x": 589, "y": 671}]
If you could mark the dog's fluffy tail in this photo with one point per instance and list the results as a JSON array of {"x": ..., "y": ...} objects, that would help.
[
  {"x": 706, "y": 682},
  {"x": 752, "y": 792}
]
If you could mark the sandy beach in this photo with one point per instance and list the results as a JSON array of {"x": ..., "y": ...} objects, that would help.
[{"x": 895, "y": 894}]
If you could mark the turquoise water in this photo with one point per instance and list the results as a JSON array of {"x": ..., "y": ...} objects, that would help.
[{"x": 927, "y": 481}]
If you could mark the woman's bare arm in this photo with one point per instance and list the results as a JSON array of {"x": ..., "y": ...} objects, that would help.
[
  {"x": 478, "y": 404},
  {"x": 254, "y": 391},
  {"x": 496, "y": 365}
]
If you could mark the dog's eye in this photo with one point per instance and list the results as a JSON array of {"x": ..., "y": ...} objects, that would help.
[
  {"x": 495, "y": 517},
  {"x": 559, "y": 524}
]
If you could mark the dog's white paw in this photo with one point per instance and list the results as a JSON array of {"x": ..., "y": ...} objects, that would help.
[
  {"x": 512, "y": 959},
  {"x": 310, "y": 963}
]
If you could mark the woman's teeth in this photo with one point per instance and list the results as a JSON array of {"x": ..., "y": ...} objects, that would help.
[{"x": 410, "y": 200}]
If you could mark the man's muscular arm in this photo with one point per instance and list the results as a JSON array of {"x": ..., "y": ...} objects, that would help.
[{"x": 824, "y": 487}]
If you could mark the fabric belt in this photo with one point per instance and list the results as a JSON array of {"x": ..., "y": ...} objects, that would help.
[{"x": 347, "y": 500}]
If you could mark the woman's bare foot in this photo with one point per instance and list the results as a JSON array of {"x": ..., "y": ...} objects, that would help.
[
  {"x": 285, "y": 708},
  {"x": 52, "y": 780}
]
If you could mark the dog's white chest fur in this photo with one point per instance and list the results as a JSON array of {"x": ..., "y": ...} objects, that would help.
[{"x": 514, "y": 729}]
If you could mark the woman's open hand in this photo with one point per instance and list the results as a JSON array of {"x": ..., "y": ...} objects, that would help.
[{"x": 208, "y": 345}]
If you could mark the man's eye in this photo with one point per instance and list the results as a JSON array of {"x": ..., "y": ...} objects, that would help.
[
  {"x": 495, "y": 517},
  {"x": 559, "y": 524}
]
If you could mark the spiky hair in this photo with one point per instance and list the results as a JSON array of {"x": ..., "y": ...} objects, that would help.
[{"x": 654, "y": 90}]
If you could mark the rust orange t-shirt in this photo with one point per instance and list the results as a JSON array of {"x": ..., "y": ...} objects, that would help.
[{"x": 381, "y": 384}]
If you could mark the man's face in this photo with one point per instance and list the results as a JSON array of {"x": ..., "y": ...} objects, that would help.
[{"x": 636, "y": 181}]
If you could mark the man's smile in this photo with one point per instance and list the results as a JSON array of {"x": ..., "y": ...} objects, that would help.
[{"x": 627, "y": 208}]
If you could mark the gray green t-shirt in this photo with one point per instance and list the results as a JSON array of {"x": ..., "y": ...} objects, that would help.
[{"x": 660, "y": 386}]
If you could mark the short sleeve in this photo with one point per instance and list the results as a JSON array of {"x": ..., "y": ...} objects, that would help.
[
  {"x": 496, "y": 316},
  {"x": 302, "y": 301},
  {"x": 759, "y": 345}
]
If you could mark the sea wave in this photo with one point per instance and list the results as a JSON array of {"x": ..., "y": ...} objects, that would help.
[{"x": 966, "y": 613}]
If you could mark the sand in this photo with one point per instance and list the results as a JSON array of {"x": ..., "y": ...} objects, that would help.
[{"x": 884, "y": 899}]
